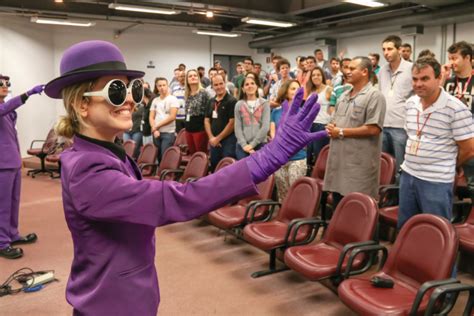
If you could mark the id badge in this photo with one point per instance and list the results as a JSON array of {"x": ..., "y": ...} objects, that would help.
[
  {"x": 390, "y": 93},
  {"x": 415, "y": 144},
  {"x": 214, "y": 114},
  {"x": 188, "y": 117}
]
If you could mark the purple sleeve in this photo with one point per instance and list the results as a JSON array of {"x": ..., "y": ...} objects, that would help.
[
  {"x": 11, "y": 105},
  {"x": 106, "y": 194}
]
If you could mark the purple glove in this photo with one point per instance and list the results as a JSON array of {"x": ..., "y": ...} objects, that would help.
[
  {"x": 292, "y": 135},
  {"x": 36, "y": 89}
]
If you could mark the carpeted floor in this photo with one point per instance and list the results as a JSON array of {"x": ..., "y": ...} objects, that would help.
[{"x": 199, "y": 272}]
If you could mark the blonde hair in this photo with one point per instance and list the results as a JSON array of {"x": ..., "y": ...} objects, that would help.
[
  {"x": 71, "y": 123},
  {"x": 187, "y": 88}
]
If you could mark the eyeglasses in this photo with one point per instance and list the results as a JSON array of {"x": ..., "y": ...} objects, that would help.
[
  {"x": 115, "y": 92},
  {"x": 5, "y": 83}
]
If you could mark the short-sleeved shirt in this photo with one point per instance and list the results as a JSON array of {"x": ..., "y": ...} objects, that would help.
[
  {"x": 275, "y": 118},
  {"x": 337, "y": 92},
  {"x": 441, "y": 125},
  {"x": 323, "y": 116},
  {"x": 178, "y": 91},
  {"x": 354, "y": 163},
  {"x": 162, "y": 108},
  {"x": 196, "y": 109},
  {"x": 463, "y": 89},
  {"x": 396, "y": 87},
  {"x": 220, "y": 112}
]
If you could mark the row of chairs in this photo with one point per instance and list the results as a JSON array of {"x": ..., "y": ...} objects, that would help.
[{"x": 419, "y": 263}]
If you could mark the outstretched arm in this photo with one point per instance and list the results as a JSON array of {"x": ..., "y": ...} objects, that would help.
[{"x": 16, "y": 102}]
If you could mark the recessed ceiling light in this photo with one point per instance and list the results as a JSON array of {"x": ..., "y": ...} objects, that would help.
[
  {"x": 267, "y": 22},
  {"x": 136, "y": 8},
  {"x": 209, "y": 14},
  {"x": 367, "y": 3}
]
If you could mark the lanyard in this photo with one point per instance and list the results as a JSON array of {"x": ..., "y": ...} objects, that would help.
[
  {"x": 393, "y": 78},
  {"x": 463, "y": 92},
  {"x": 216, "y": 105},
  {"x": 418, "y": 130}
]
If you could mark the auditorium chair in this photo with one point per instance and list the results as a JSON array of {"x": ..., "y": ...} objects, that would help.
[
  {"x": 466, "y": 233},
  {"x": 147, "y": 160},
  {"x": 48, "y": 146},
  {"x": 196, "y": 168},
  {"x": 318, "y": 172},
  {"x": 171, "y": 159},
  {"x": 55, "y": 156},
  {"x": 421, "y": 259},
  {"x": 182, "y": 144},
  {"x": 353, "y": 224},
  {"x": 129, "y": 147},
  {"x": 224, "y": 162},
  {"x": 272, "y": 233},
  {"x": 233, "y": 218}
]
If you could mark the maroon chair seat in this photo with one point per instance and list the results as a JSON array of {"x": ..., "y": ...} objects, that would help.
[
  {"x": 129, "y": 147},
  {"x": 271, "y": 234},
  {"x": 422, "y": 257},
  {"x": 353, "y": 224},
  {"x": 147, "y": 160},
  {"x": 466, "y": 233},
  {"x": 232, "y": 216},
  {"x": 389, "y": 215}
]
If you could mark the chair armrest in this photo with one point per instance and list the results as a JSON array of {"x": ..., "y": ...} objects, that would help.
[
  {"x": 145, "y": 165},
  {"x": 166, "y": 172},
  {"x": 386, "y": 192},
  {"x": 252, "y": 208},
  {"x": 424, "y": 288},
  {"x": 295, "y": 226},
  {"x": 191, "y": 179},
  {"x": 374, "y": 248},
  {"x": 345, "y": 251},
  {"x": 455, "y": 289},
  {"x": 36, "y": 141}
]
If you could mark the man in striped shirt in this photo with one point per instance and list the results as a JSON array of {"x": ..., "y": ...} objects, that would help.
[{"x": 440, "y": 137}]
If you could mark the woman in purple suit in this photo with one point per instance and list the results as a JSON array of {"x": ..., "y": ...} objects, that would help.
[
  {"x": 111, "y": 211},
  {"x": 10, "y": 172}
]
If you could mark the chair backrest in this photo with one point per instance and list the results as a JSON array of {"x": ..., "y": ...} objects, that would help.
[
  {"x": 197, "y": 167},
  {"x": 129, "y": 147},
  {"x": 470, "y": 218},
  {"x": 301, "y": 201},
  {"x": 355, "y": 219},
  {"x": 49, "y": 144},
  {"x": 425, "y": 249},
  {"x": 224, "y": 162},
  {"x": 319, "y": 168},
  {"x": 171, "y": 159},
  {"x": 147, "y": 155},
  {"x": 265, "y": 190},
  {"x": 387, "y": 169}
]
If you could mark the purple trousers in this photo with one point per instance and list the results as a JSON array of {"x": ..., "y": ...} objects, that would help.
[{"x": 10, "y": 183}]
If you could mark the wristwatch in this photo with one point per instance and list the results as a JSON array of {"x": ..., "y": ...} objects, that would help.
[{"x": 341, "y": 133}]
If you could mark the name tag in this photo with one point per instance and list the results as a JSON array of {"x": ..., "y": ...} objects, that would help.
[
  {"x": 390, "y": 93},
  {"x": 414, "y": 146},
  {"x": 214, "y": 114}
]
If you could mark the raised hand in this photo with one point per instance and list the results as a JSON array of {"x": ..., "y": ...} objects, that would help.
[
  {"x": 36, "y": 89},
  {"x": 292, "y": 135}
]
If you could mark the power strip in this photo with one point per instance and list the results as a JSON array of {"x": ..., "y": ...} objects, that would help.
[{"x": 40, "y": 279}]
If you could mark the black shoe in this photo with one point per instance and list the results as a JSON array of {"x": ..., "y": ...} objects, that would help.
[
  {"x": 11, "y": 253},
  {"x": 28, "y": 239}
]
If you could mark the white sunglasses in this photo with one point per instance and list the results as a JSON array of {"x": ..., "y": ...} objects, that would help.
[{"x": 115, "y": 92}]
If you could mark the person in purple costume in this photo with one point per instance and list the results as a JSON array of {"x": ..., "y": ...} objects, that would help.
[
  {"x": 10, "y": 172},
  {"x": 110, "y": 210}
]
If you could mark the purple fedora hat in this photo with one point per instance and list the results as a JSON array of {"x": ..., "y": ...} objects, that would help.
[
  {"x": 4, "y": 77},
  {"x": 89, "y": 60}
]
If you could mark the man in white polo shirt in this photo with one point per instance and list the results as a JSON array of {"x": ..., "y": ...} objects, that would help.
[
  {"x": 440, "y": 137},
  {"x": 395, "y": 85},
  {"x": 163, "y": 117}
]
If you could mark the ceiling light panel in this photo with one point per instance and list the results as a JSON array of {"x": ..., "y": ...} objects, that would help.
[
  {"x": 267, "y": 22},
  {"x": 136, "y": 8}
]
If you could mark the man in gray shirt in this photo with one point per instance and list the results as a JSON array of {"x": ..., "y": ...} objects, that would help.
[
  {"x": 354, "y": 154},
  {"x": 395, "y": 85}
]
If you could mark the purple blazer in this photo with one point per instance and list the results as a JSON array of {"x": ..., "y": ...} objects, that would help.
[
  {"x": 9, "y": 148},
  {"x": 112, "y": 215}
]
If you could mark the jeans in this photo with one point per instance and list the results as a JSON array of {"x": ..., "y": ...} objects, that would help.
[
  {"x": 314, "y": 148},
  {"x": 163, "y": 142},
  {"x": 240, "y": 153},
  {"x": 227, "y": 149},
  {"x": 137, "y": 137},
  {"x": 147, "y": 139},
  {"x": 420, "y": 196},
  {"x": 394, "y": 143}
]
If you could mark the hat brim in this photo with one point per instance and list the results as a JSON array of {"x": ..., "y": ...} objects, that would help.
[
  {"x": 54, "y": 87},
  {"x": 4, "y": 77}
]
